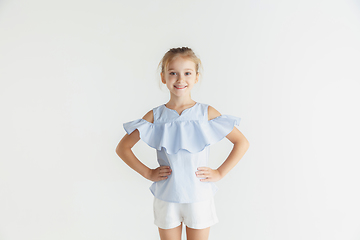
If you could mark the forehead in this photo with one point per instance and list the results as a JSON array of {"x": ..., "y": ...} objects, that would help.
[{"x": 181, "y": 63}]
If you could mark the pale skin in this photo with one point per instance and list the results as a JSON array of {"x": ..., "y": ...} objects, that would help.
[{"x": 179, "y": 77}]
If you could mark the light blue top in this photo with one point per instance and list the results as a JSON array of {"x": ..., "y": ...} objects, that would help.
[{"x": 182, "y": 142}]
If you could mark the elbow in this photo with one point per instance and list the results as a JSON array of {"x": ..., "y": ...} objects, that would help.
[
  {"x": 244, "y": 143},
  {"x": 122, "y": 149},
  {"x": 119, "y": 150}
]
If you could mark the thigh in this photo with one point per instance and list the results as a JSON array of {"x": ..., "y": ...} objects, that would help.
[
  {"x": 167, "y": 214},
  {"x": 171, "y": 234},
  {"x": 197, "y": 234},
  {"x": 200, "y": 215}
]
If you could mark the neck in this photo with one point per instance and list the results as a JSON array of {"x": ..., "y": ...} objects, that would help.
[{"x": 180, "y": 101}]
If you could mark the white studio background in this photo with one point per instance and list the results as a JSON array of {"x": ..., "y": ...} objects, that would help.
[{"x": 72, "y": 72}]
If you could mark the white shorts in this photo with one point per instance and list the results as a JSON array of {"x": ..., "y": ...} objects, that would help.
[{"x": 196, "y": 215}]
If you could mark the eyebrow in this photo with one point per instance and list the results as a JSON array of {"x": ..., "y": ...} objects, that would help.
[{"x": 184, "y": 69}]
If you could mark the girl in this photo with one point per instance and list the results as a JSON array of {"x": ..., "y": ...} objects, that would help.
[{"x": 181, "y": 131}]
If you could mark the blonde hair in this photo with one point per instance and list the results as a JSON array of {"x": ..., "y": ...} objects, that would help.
[{"x": 184, "y": 52}]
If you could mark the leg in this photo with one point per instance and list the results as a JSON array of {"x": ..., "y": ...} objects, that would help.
[
  {"x": 197, "y": 234},
  {"x": 171, "y": 234}
]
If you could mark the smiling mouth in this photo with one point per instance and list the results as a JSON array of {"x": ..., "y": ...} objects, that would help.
[{"x": 182, "y": 87}]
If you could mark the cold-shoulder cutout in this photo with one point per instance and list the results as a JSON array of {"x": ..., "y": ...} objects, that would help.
[
  {"x": 149, "y": 116},
  {"x": 213, "y": 113}
]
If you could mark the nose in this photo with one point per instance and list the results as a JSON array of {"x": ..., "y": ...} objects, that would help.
[{"x": 180, "y": 78}]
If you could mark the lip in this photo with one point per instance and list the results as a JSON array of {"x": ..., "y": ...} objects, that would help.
[{"x": 180, "y": 87}]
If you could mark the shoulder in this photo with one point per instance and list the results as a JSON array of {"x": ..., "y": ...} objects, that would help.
[
  {"x": 149, "y": 116},
  {"x": 213, "y": 113}
]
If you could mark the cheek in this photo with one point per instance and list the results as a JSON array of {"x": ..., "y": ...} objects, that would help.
[{"x": 171, "y": 80}]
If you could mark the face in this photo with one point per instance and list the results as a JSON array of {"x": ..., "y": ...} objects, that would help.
[{"x": 180, "y": 76}]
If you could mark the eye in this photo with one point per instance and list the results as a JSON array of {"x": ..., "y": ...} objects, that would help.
[
  {"x": 172, "y": 73},
  {"x": 188, "y": 73}
]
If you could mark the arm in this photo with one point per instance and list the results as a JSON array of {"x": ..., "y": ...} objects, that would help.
[
  {"x": 123, "y": 150},
  {"x": 241, "y": 145}
]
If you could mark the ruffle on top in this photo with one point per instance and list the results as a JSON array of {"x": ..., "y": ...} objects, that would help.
[{"x": 190, "y": 135}]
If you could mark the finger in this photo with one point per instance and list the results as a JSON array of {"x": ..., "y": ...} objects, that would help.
[
  {"x": 164, "y": 174},
  {"x": 202, "y": 176},
  {"x": 205, "y": 180},
  {"x": 206, "y": 170},
  {"x": 205, "y": 176},
  {"x": 199, "y": 174},
  {"x": 202, "y": 173},
  {"x": 166, "y": 171},
  {"x": 202, "y": 168},
  {"x": 164, "y": 167}
]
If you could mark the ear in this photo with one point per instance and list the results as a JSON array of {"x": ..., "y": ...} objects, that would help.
[
  {"x": 197, "y": 77},
  {"x": 162, "y": 78}
]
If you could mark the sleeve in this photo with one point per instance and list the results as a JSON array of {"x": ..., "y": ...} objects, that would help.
[
  {"x": 136, "y": 124},
  {"x": 146, "y": 130},
  {"x": 219, "y": 127}
]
